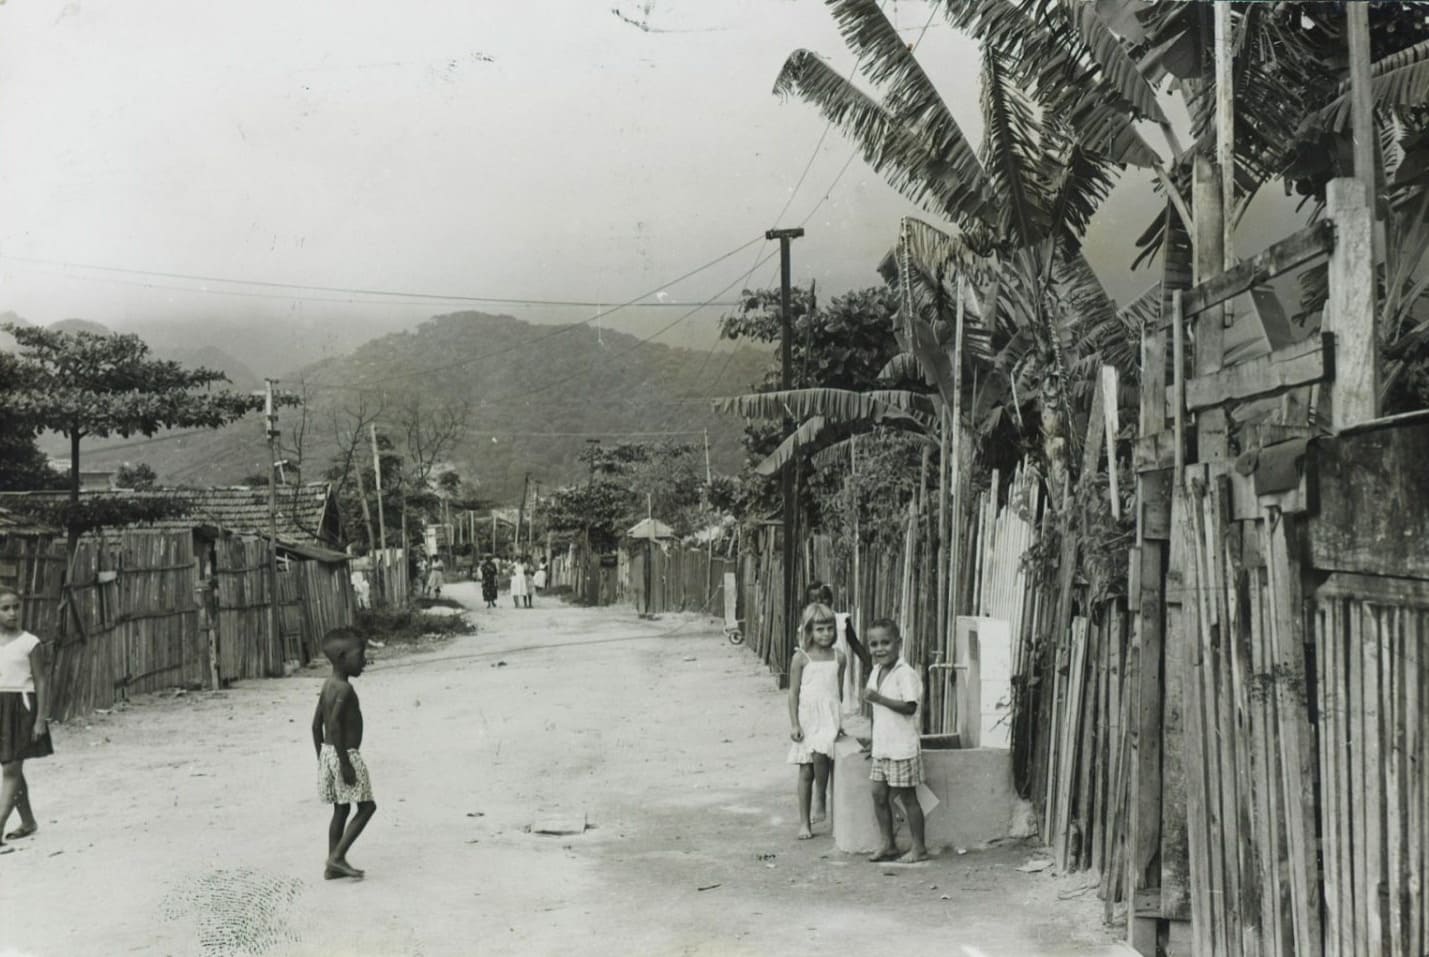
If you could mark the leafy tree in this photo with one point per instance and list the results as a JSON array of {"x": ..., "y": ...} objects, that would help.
[
  {"x": 601, "y": 507},
  {"x": 82, "y": 384},
  {"x": 666, "y": 478},
  {"x": 843, "y": 345},
  {"x": 139, "y": 476},
  {"x": 22, "y": 465}
]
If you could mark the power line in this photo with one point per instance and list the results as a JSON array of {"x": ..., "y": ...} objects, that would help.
[
  {"x": 563, "y": 330},
  {"x": 562, "y": 303},
  {"x": 828, "y": 193},
  {"x": 385, "y": 294},
  {"x": 619, "y": 355}
]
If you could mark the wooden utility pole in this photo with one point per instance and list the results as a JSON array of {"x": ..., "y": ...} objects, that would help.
[
  {"x": 521, "y": 512},
  {"x": 381, "y": 514},
  {"x": 275, "y": 634},
  {"x": 786, "y": 355}
]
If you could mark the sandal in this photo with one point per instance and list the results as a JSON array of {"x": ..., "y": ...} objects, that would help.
[{"x": 20, "y": 832}]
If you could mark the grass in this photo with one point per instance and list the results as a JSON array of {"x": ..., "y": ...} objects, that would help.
[{"x": 410, "y": 626}]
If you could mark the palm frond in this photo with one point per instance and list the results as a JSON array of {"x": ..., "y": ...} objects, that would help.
[
  {"x": 1143, "y": 311},
  {"x": 835, "y": 405},
  {"x": 1116, "y": 63},
  {"x": 900, "y": 367},
  {"x": 904, "y": 160},
  {"x": 909, "y": 95},
  {"x": 1009, "y": 146},
  {"x": 1396, "y": 81},
  {"x": 805, "y": 436}
]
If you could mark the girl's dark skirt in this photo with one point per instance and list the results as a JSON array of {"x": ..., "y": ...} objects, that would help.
[{"x": 17, "y": 730}]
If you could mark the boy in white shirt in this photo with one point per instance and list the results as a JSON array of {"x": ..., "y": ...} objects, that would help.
[{"x": 895, "y": 691}]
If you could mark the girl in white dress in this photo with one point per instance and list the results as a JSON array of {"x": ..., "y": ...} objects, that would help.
[
  {"x": 815, "y": 698},
  {"x": 24, "y": 712},
  {"x": 519, "y": 586}
]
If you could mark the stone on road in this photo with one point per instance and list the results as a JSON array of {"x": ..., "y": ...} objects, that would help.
[{"x": 617, "y": 787}]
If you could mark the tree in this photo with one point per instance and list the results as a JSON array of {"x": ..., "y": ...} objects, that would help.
[
  {"x": 23, "y": 466},
  {"x": 82, "y": 384},
  {"x": 1059, "y": 109},
  {"x": 601, "y": 507},
  {"x": 139, "y": 476}
]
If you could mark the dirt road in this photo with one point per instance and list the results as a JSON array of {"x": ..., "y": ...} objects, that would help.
[{"x": 189, "y": 825}]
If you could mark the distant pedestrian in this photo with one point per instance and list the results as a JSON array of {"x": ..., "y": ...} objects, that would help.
[
  {"x": 815, "y": 695},
  {"x": 434, "y": 577},
  {"x": 361, "y": 588},
  {"x": 24, "y": 714},
  {"x": 488, "y": 581},
  {"x": 541, "y": 577},
  {"x": 337, "y": 737},
  {"x": 520, "y": 584},
  {"x": 895, "y": 691}
]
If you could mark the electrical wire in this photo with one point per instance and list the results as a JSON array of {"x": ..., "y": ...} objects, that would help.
[
  {"x": 384, "y": 296},
  {"x": 556, "y": 303}
]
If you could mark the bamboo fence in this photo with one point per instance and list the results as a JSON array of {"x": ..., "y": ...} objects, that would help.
[{"x": 137, "y": 613}]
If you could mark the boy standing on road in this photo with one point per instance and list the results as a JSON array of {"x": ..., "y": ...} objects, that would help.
[
  {"x": 337, "y": 735},
  {"x": 895, "y": 691}
]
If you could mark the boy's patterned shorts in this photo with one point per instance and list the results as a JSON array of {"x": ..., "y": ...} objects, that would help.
[
  {"x": 898, "y": 773},
  {"x": 332, "y": 789}
]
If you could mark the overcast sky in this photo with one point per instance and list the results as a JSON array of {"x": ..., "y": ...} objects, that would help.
[{"x": 546, "y": 149}]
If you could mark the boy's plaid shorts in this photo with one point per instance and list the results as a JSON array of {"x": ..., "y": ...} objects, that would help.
[{"x": 898, "y": 772}]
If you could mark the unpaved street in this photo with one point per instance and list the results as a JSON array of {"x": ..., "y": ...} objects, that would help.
[{"x": 189, "y": 825}]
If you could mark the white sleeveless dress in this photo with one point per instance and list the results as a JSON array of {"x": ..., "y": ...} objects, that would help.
[{"x": 818, "y": 710}]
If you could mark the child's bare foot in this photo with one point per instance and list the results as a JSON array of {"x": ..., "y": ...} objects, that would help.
[
  {"x": 819, "y": 815},
  {"x": 24, "y": 830},
  {"x": 887, "y": 854},
  {"x": 805, "y": 832},
  {"x": 914, "y": 856},
  {"x": 340, "y": 869}
]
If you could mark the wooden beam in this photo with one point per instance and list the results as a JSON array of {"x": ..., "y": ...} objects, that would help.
[
  {"x": 1349, "y": 311},
  {"x": 1154, "y": 452},
  {"x": 1296, "y": 250},
  {"x": 1309, "y": 361}
]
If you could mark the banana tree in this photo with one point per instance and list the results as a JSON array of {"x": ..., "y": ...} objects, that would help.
[{"x": 1011, "y": 214}]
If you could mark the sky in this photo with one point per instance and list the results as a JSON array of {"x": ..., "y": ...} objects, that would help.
[{"x": 547, "y": 149}]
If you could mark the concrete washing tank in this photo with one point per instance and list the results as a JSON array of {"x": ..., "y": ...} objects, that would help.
[{"x": 973, "y": 786}]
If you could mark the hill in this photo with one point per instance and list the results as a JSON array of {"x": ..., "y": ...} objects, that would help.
[{"x": 531, "y": 393}]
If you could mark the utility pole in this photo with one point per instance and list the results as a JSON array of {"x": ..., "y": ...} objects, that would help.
[
  {"x": 381, "y": 515},
  {"x": 275, "y": 634},
  {"x": 786, "y": 353},
  {"x": 521, "y": 512}
]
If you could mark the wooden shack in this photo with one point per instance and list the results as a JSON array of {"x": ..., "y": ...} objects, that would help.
[{"x": 182, "y": 601}]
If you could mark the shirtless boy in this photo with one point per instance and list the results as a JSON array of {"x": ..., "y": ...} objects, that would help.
[{"x": 337, "y": 735}]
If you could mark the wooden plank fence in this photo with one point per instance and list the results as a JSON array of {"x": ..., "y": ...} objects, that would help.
[{"x": 134, "y": 621}]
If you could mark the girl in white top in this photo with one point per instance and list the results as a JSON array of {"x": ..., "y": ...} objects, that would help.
[
  {"x": 520, "y": 587},
  {"x": 24, "y": 728},
  {"x": 815, "y": 696}
]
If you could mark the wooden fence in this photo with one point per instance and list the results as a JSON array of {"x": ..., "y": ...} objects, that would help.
[
  {"x": 681, "y": 579},
  {"x": 140, "y": 614},
  {"x": 133, "y": 618},
  {"x": 592, "y": 579}
]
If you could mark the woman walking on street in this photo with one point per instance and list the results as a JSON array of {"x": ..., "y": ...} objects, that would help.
[
  {"x": 488, "y": 581},
  {"x": 24, "y": 704}
]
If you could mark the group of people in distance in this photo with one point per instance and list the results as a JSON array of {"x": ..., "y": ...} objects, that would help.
[
  {"x": 893, "y": 694},
  {"x": 525, "y": 578}
]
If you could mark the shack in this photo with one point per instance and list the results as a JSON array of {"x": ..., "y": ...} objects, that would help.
[{"x": 183, "y": 600}]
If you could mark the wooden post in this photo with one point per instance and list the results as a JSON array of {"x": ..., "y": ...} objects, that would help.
[
  {"x": 1143, "y": 771},
  {"x": 1362, "y": 119},
  {"x": 1225, "y": 127},
  {"x": 1349, "y": 311}
]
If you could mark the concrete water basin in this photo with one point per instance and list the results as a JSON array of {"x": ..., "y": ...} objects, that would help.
[{"x": 972, "y": 787}]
